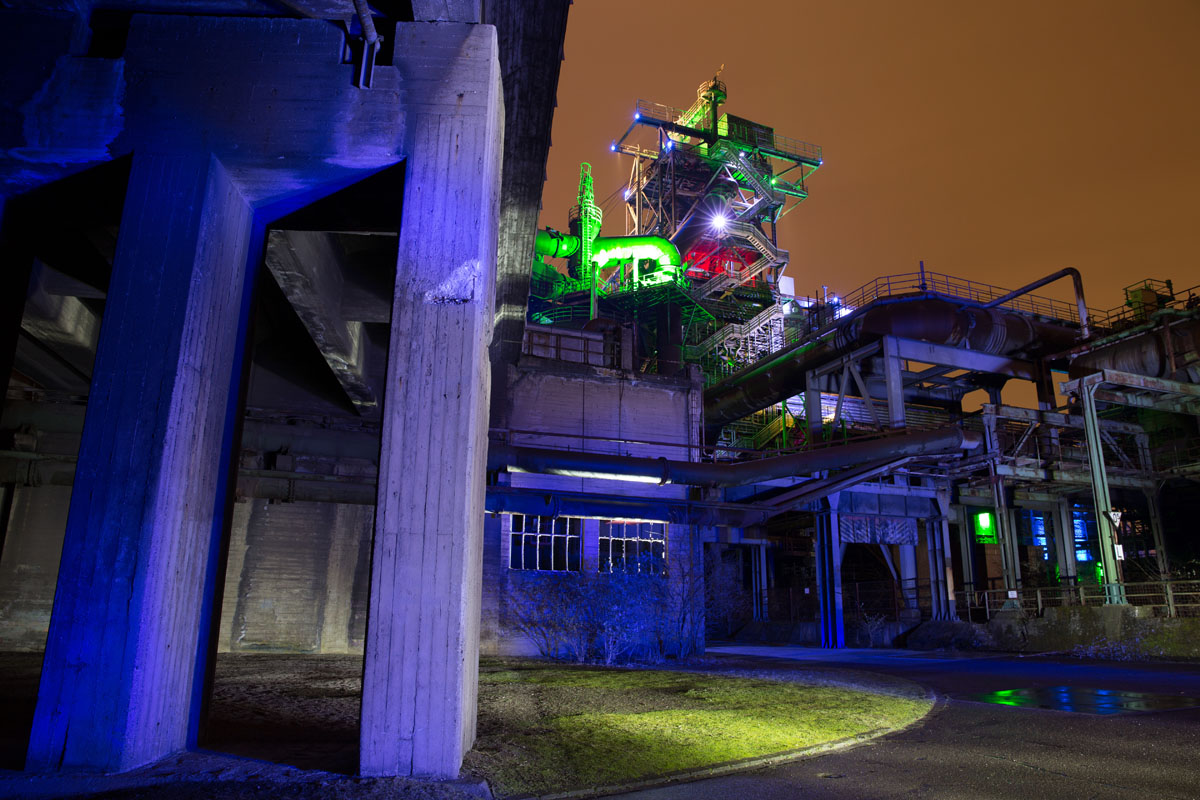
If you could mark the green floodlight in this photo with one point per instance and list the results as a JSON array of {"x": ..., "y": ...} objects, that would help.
[{"x": 985, "y": 528}]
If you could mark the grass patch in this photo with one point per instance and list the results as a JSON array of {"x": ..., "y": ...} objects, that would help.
[{"x": 548, "y": 727}]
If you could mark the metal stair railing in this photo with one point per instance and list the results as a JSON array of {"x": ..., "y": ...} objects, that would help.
[{"x": 746, "y": 330}]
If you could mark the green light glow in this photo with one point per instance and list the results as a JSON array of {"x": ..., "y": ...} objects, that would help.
[
  {"x": 985, "y": 529},
  {"x": 606, "y": 250}
]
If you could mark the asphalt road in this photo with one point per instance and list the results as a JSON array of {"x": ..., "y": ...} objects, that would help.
[{"x": 966, "y": 749}]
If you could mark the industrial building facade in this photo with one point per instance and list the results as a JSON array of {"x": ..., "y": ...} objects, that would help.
[{"x": 292, "y": 369}]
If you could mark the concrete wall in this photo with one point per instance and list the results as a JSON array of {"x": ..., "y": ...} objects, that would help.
[
  {"x": 1121, "y": 632},
  {"x": 29, "y": 567},
  {"x": 562, "y": 405},
  {"x": 297, "y": 578}
]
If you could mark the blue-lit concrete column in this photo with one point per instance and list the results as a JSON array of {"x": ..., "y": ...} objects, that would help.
[
  {"x": 941, "y": 571},
  {"x": 421, "y": 671},
  {"x": 116, "y": 687},
  {"x": 829, "y": 551},
  {"x": 214, "y": 163}
]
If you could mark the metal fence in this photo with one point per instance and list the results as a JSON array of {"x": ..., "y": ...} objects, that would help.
[{"x": 1168, "y": 598}]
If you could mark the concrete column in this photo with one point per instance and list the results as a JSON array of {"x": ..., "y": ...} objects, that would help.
[
  {"x": 347, "y": 532},
  {"x": 121, "y": 660},
  {"x": 910, "y": 611},
  {"x": 941, "y": 571},
  {"x": 495, "y": 564},
  {"x": 829, "y": 576},
  {"x": 1064, "y": 542},
  {"x": 420, "y": 674},
  {"x": 966, "y": 543}
]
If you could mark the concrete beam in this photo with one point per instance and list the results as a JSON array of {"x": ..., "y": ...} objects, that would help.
[
  {"x": 972, "y": 360},
  {"x": 307, "y": 265},
  {"x": 420, "y": 675},
  {"x": 447, "y": 10}
]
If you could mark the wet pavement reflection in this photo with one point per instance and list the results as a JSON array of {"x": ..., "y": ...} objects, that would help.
[{"x": 1082, "y": 699}]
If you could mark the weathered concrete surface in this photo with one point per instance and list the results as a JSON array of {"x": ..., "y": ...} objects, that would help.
[
  {"x": 228, "y": 138},
  {"x": 307, "y": 265},
  {"x": 297, "y": 578},
  {"x": 531, "y": 41},
  {"x": 116, "y": 687},
  {"x": 32, "y": 545},
  {"x": 1127, "y": 632},
  {"x": 420, "y": 676}
]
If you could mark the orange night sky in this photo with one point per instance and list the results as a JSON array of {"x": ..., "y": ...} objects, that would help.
[{"x": 996, "y": 141}]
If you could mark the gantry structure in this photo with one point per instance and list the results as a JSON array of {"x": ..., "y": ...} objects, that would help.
[
  {"x": 705, "y": 193},
  {"x": 1075, "y": 475}
]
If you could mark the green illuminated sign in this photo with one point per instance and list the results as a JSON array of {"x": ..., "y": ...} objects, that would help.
[{"x": 985, "y": 528}]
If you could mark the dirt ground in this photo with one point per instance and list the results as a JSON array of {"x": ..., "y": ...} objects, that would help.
[{"x": 279, "y": 726}]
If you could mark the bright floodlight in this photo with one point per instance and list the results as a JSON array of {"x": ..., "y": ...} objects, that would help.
[{"x": 719, "y": 222}]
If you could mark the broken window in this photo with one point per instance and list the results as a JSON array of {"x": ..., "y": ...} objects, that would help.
[
  {"x": 545, "y": 543},
  {"x": 633, "y": 547}
]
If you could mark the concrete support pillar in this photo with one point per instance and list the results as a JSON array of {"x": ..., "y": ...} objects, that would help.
[
  {"x": 1154, "y": 512},
  {"x": 829, "y": 576},
  {"x": 1064, "y": 542},
  {"x": 893, "y": 373},
  {"x": 941, "y": 571},
  {"x": 910, "y": 611},
  {"x": 966, "y": 547},
  {"x": 129, "y": 614},
  {"x": 420, "y": 676}
]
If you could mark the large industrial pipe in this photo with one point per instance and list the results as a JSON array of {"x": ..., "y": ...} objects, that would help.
[
  {"x": 662, "y": 471},
  {"x": 606, "y": 249},
  {"x": 1161, "y": 352}
]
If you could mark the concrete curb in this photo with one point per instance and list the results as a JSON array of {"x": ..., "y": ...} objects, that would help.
[{"x": 743, "y": 765}]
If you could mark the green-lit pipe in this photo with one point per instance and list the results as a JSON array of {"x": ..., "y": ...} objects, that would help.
[
  {"x": 555, "y": 244},
  {"x": 607, "y": 249}
]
